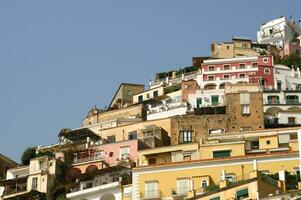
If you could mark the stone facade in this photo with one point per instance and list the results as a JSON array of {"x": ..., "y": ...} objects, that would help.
[
  {"x": 199, "y": 126},
  {"x": 250, "y": 119}
]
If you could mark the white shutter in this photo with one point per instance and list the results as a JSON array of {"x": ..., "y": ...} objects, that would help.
[
  {"x": 245, "y": 98},
  {"x": 151, "y": 189},
  {"x": 183, "y": 185},
  {"x": 284, "y": 139}
]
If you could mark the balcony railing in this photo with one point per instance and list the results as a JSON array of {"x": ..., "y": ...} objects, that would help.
[
  {"x": 179, "y": 191},
  {"x": 14, "y": 191},
  {"x": 151, "y": 194},
  {"x": 273, "y": 102},
  {"x": 77, "y": 160},
  {"x": 292, "y": 101},
  {"x": 286, "y": 102}
]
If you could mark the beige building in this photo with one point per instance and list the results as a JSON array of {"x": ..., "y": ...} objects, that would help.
[
  {"x": 5, "y": 164},
  {"x": 39, "y": 176},
  {"x": 124, "y": 95},
  {"x": 112, "y": 118},
  {"x": 238, "y": 47}
]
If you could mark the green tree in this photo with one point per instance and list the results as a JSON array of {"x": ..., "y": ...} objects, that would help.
[
  {"x": 30, "y": 153},
  {"x": 27, "y": 155}
]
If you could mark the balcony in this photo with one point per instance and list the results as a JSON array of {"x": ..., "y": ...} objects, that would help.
[
  {"x": 273, "y": 102},
  {"x": 292, "y": 101},
  {"x": 76, "y": 193},
  {"x": 78, "y": 160},
  {"x": 151, "y": 195},
  {"x": 179, "y": 192}
]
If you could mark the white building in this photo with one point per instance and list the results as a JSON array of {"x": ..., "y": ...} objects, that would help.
[
  {"x": 108, "y": 184},
  {"x": 278, "y": 32},
  {"x": 283, "y": 105}
]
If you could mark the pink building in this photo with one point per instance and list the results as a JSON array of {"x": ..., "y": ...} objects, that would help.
[
  {"x": 289, "y": 49},
  {"x": 108, "y": 155},
  {"x": 217, "y": 72}
]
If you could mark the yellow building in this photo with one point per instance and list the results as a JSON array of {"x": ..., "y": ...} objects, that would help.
[{"x": 232, "y": 153}]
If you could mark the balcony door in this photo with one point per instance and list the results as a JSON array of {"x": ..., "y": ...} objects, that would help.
[
  {"x": 151, "y": 189},
  {"x": 183, "y": 186}
]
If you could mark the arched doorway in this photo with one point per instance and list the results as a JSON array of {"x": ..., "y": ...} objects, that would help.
[
  {"x": 107, "y": 196},
  {"x": 91, "y": 168}
]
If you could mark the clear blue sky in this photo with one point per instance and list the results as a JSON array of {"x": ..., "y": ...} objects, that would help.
[{"x": 59, "y": 58}]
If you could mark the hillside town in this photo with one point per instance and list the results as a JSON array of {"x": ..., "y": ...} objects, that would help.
[{"x": 226, "y": 127}]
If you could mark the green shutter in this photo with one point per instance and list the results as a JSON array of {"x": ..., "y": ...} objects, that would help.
[
  {"x": 242, "y": 193},
  {"x": 221, "y": 154},
  {"x": 199, "y": 102},
  {"x": 214, "y": 100},
  {"x": 215, "y": 198}
]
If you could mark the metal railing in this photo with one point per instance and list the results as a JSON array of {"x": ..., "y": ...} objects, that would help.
[
  {"x": 87, "y": 159},
  {"x": 151, "y": 194},
  {"x": 179, "y": 191},
  {"x": 269, "y": 179}
]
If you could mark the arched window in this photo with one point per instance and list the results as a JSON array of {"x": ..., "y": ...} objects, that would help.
[
  {"x": 91, "y": 168},
  {"x": 204, "y": 183},
  {"x": 210, "y": 87},
  {"x": 266, "y": 71}
]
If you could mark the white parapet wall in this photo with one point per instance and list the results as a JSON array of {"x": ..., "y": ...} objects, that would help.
[{"x": 167, "y": 113}]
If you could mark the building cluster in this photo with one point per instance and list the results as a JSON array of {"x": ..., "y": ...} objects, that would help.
[{"x": 224, "y": 128}]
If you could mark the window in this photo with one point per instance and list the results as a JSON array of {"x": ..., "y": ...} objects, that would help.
[
  {"x": 242, "y": 75},
  {"x": 242, "y": 66},
  {"x": 291, "y": 120},
  {"x": 221, "y": 154},
  {"x": 214, "y": 100},
  {"x": 245, "y": 109},
  {"x": 254, "y": 144},
  {"x": 272, "y": 99},
  {"x": 267, "y": 71},
  {"x": 226, "y": 67},
  {"x": 124, "y": 152},
  {"x": 204, "y": 183},
  {"x": 111, "y": 154},
  {"x": 198, "y": 102},
  {"x": 244, "y": 45},
  {"x": 265, "y": 60},
  {"x": 215, "y": 198},
  {"x": 132, "y": 136},
  {"x": 151, "y": 189},
  {"x": 254, "y": 65},
  {"x": 211, "y": 68},
  {"x": 111, "y": 139},
  {"x": 152, "y": 161},
  {"x": 156, "y": 93},
  {"x": 210, "y": 78},
  {"x": 88, "y": 185},
  {"x": 147, "y": 96},
  {"x": 292, "y": 99},
  {"x": 42, "y": 165},
  {"x": 34, "y": 184},
  {"x": 187, "y": 136},
  {"x": 140, "y": 98},
  {"x": 187, "y": 157},
  {"x": 268, "y": 142},
  {"x": 129, "y": 92},
  {"x": 98, "y": 155},
  {"x": 183, "y": 186},
  {"x": 226, "y": 76},
  {"x": 242, "y": 194},
  {"x": 228, "y": 47},
  {"x": 297, "y": 52}
]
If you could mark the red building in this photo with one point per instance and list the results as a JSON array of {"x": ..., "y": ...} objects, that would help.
[{"x": 217, "y": 72}]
